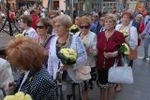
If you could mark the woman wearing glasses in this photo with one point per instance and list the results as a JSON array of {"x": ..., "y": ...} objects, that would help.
[
  {"x": 51, "y": 16},
  {"x": 43, "y": 37},
  {"x": 108, "y": 42},
  {"x": 89, "y": 40},
  {"x": 65, "y": 39}
]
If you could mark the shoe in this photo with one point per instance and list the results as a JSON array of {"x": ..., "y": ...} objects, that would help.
[{"x": 145, "y": 57}]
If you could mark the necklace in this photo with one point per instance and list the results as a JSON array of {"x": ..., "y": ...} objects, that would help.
[
  {"x": 43, "y": 40},
  {"x": 64, "y": 43}
]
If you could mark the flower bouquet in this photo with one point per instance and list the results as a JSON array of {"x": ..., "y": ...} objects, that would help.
[
  {"x": 124, "y": 49},
  {"x": 74, "y": 28},
  {"x": 18, "y": 96},
  {"x": 67, "y": 56},
  {"x": 125, "y": 33}
]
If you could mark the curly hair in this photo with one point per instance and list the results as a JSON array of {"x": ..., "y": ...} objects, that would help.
[
  {"x": 128, "y": 14},
  {"x": 25, "y": 54},
  {"x": 85, "y": 19}
]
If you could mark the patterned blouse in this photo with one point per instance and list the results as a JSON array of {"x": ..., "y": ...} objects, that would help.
[{"x": 40, "y": 86}]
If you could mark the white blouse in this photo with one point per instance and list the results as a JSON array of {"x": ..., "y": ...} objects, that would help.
[
  {"x": 132, "y": 38},
  {"x": 91, "y": 42},
  {"x": 53, "y": 60}
]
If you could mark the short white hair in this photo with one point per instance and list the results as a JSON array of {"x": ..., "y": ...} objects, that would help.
[{"x": 64, "y": 20}]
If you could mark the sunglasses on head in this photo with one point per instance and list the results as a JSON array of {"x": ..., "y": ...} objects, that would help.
[
  {"x": 86, "y": 27},
  {"x": 40, "y": 27}
]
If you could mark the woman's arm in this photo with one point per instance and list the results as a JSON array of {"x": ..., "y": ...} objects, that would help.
[
  {"x": 92, "y": 50},
  {"x": 50, "y": 68},
  {"x": 133, "y": 38},
  {"x": 81, "y": 53}
]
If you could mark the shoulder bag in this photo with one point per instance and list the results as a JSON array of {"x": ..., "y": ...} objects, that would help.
[{"x": 120, "y": 74}]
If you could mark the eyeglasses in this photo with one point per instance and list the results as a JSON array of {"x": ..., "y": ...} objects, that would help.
[
  {"x": 40, "y": 27},
  {"x": 86, "y": 27}
]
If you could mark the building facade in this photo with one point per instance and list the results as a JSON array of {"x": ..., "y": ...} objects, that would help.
[{"x": 87, "y": 6}]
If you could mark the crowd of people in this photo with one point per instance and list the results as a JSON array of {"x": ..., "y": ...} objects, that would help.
[{"x": 35, "y": 54}]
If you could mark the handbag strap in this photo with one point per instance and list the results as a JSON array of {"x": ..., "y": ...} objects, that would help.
[
  {"x": 124, "y": 60},
  {"x": 115, "y": 62},
  {"x": 48, "y": 40}
]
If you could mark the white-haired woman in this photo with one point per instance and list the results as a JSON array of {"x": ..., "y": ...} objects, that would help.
[
  {"x": 65, "y": 39},
  {"x": 6, "y": 76}
]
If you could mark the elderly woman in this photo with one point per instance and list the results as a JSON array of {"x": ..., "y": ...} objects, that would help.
[
  {"x": 130, "y": 33},
  {"x": 65, "y": 39},
  {"x": 43, "y": 37},
  {"x": 140, "y": 21},
  {"x": 25, "y": 23},
  {"x": 90, "y": 40},
  {"x": 6, "y": 76},
  {"x": 27, "y": 56},
  {"x": 51, "y": 16},
  {"x": 107, "y": 45}
]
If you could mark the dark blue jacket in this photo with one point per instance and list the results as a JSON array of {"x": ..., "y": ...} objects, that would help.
[
  {"x": 40, "y": 86},
  {"x": 95, "y": 27}
]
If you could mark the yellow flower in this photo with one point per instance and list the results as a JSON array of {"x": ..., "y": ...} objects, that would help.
[
  {"x": 18, "y": 96},
  {"x": 124, "y": 49},
  {"x": 125, "y": 33},
  {"x": 19, "y": 35},
  {"x": 28, "y": 97},
  {"x": 127, "y": 52},
  {"x": 69, "y": 53},
  {"x": 68, "y": 56},
  {"x": 74, "y": 28},
  {"x": 9, "y": 97}
]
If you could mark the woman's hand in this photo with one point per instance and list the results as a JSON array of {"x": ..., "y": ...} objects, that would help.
[
  {"x": 63, "y": 68},
  {"x": 11, "y": 86},
  {"x": 89, "y": 51},
  {"x": 108, "y": 55},
  {"x": 142, "y": 36}
]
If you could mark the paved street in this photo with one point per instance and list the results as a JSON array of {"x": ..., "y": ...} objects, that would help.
[
  {"x": 4, "y": 38},
  {"x": 140, "y": 90}
]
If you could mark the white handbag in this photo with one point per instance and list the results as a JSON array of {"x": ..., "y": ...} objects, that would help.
[{"x": 120, "y": 74}]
